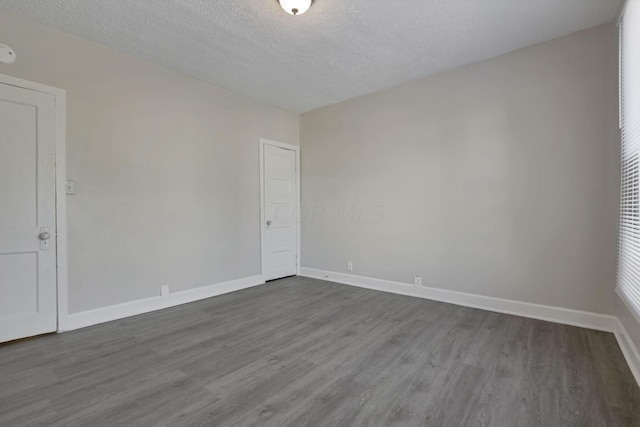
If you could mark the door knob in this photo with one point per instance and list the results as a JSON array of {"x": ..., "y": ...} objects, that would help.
[
  {"x": 44, "y": 237},
  {"x": 268, "y": 223}
]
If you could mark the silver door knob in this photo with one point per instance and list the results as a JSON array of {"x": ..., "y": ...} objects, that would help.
[
  {"x": 45, "y": 236},
  {"x": 268, "y": 223}
]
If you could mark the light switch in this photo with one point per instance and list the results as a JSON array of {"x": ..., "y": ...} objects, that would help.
[{"x": 70, "y": 187}]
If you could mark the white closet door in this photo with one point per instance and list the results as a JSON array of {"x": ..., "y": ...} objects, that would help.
[{"x": 27, "y": 213}]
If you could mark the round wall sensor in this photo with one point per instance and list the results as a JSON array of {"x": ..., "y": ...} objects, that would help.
[{"x": 7, "y": 55}]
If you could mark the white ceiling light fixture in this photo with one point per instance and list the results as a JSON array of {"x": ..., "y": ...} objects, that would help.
[{"x": 295, "y": 7}]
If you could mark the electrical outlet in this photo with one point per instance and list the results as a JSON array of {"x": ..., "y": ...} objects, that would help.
[
  {"x": 164, "y": 291},
  {"x": 417, "y": 281},
  {"x": 350, "y": 265},
  {"x": 70, "y": 187}
]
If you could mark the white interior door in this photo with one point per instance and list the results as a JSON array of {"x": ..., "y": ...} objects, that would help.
[
  {"x": 27, "y": 213},
  {"x": 280, "y": 231}
]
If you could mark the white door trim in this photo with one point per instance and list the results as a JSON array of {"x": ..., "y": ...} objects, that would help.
[
  {"x": 60, "y": 97},
  {"x": 296, "y": 149}
]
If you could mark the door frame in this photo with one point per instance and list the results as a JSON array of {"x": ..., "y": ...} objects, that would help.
[
  {"x": 60, "y": 235},
  {"x": 296, "y": 149}
]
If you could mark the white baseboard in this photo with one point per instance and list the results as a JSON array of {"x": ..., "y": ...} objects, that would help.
[
  {"x": 549, "y": 313},
  {"x": 133, "y": 308},
  {"x": 629, "y": 350}
]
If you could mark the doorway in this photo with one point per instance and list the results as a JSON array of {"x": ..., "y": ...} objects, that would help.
[
  {"x": 29, "y": 205},
  {"x": 279, "y": 209}
]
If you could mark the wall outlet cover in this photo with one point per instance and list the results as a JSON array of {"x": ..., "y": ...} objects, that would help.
[
  {"x": 70, "y": 187},
  {"x": 164, "y": 290},
  {"x": 417, "y": 281}
]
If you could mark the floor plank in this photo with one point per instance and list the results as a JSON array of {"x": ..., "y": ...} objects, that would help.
[{"x": 308, "y": 352}]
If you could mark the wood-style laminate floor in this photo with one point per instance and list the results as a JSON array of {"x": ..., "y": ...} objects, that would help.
[{"x": 304, "y": 352}]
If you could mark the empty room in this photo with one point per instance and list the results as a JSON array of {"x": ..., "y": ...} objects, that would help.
[{"x": 320, "y": 213}]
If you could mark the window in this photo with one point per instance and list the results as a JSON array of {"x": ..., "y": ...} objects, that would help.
[{"x": 629, "y": 245}]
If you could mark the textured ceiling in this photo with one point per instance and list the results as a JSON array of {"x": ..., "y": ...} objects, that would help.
[{"x": 338, "y": 50}]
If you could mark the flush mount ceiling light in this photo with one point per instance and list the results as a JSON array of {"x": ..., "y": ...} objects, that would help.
[{"x": 295, "y": 7}]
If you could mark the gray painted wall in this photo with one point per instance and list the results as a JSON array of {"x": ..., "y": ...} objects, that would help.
[
  {"x": 166, "y": 168},
  {"x": 498, "y": 179}
]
